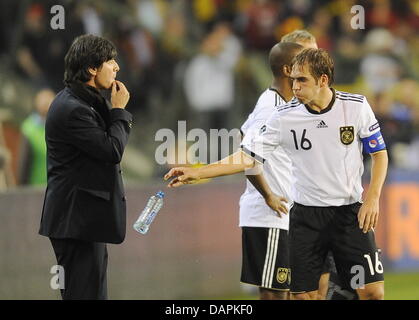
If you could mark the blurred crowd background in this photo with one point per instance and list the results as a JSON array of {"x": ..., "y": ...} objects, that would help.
[{"x": 204, "y": 61}]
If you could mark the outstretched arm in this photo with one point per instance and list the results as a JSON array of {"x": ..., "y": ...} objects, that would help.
[{"x": 234, "y": 163}]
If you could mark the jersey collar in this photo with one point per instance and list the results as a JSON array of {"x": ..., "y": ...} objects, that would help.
[
  {"x": 329, "y": 107},
  {"x": 277, "y": 92}
]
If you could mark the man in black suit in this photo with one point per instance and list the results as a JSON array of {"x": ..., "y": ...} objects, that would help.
[{"x": 84, "y": 206}]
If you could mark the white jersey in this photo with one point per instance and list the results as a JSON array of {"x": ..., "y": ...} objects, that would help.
[
  {"x": 325, "y": 147},
  {"x": 254, "y": 212}
]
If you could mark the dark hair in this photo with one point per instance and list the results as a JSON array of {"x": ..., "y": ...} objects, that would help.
[
  {"x": 86, "y": 51},
  {"x": 280, "y": 55},
  {"x": 319, "y": 63}
]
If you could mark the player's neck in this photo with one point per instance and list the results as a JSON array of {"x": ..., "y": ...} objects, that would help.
[
  {"x": 322, "y": 101},
  {"x": 281, "y": 85}
]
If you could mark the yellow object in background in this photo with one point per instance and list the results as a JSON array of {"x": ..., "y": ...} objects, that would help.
[{"x": 204, "y": 10}]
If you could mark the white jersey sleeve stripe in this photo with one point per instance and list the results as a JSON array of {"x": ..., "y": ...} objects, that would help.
[
  {"x": 347, "y": 99},
  {"x": 252, "y": 154},
  {"x": 347, "y": 94}
]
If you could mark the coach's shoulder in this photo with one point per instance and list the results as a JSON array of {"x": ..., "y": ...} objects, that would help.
[
  {"x": 67, "y": 107},
  {"x": 65, "y": 102}
]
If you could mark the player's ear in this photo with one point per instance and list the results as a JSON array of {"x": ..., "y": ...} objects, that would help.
[
  {"x": 286, "y": 70},
  {"x": 324, "y": 81}
]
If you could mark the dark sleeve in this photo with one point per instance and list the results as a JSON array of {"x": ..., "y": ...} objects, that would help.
[
  {"x": 85, "y": 133},
  {"x": 25, "y": 161}
]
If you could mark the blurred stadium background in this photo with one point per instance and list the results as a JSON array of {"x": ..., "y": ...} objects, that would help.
[{"x": 193, "y": 248}]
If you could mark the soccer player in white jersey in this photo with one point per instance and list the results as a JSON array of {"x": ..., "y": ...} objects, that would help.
[
  {"x": 265, "y": 254},
  {"x": 326, "y": 287},
  {"x": 324, "y": 132}
]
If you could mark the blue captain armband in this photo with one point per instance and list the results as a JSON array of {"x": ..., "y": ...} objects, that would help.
[{"x": 373, "y": 143}]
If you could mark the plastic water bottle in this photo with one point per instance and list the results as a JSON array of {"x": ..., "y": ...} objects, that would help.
[{"x": 154, "y": 204}]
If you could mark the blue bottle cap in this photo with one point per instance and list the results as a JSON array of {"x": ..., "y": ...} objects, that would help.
[{"x": 160, "y": 194}]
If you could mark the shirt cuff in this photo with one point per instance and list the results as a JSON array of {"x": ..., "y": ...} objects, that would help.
[
  {"x": 121, "y": 114},
  {"x": 252, "y": 154}
]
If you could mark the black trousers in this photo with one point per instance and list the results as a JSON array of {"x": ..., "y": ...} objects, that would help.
[{"x": 85, "y": 265}]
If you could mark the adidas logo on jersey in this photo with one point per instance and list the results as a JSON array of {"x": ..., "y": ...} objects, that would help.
[{"x": 322, "y": 124}]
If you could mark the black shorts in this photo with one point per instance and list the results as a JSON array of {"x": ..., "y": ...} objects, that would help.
[
  {"x": 335, "y": 290},
  {"x": 314, "y": 231},
  {"x": 329, "y": 264},
  {"x": 265, "y": 258}
]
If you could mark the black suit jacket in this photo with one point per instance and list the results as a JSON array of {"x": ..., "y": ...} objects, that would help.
[{"x": 85, "y": 197}]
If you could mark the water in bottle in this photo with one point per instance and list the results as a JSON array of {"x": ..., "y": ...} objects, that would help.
[{"x": 154, "y": 204}]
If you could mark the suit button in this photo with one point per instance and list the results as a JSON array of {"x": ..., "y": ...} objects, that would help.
[
  {"x": 120, "y": 171},
  {"x": 124, "y": 198}
]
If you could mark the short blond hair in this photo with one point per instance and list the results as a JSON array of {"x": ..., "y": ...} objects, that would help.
[{"x": 298, "y": 35}]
